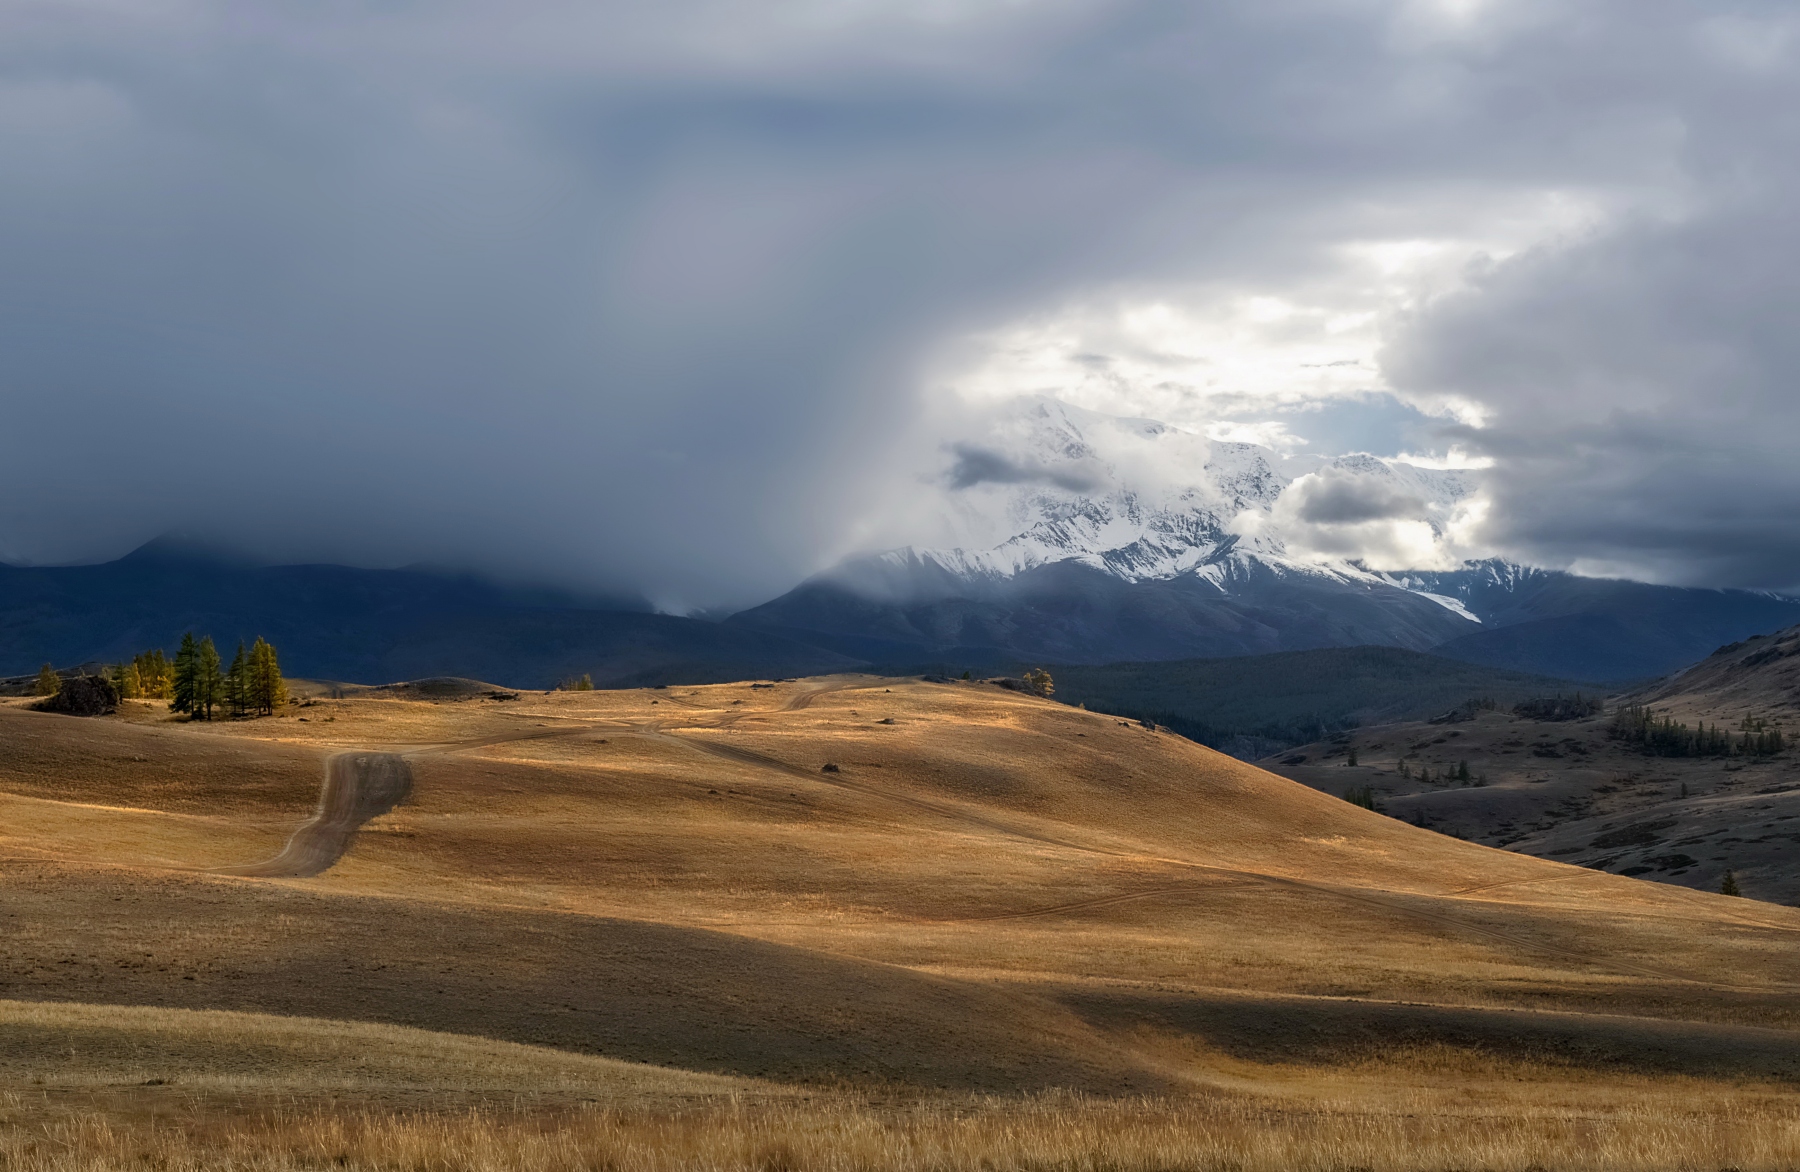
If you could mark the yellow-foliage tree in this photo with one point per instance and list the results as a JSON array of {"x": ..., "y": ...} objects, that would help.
[
  {"x": 265, "y": 687},
  {"x": 155, "y": 674},
  {"x": 125, "y": 679}
]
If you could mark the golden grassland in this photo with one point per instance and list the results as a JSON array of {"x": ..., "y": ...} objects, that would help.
[
  {"x": 1050, "y": 1131},
  {"x": 111, "y": 1087},
  {"x": 648, "y": 929}
]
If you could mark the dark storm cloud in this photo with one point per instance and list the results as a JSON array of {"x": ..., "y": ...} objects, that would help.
[
  {"x": 1640, "y": 378},
  {"x": 977, "y": 465},
  {"x": 637, "y": 294},
  {"x": 1339, "y": 497},
  {"x": 1644, "y": 397}
]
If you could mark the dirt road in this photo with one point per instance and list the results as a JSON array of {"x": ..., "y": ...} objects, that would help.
[{"x": 359, "y": 785}]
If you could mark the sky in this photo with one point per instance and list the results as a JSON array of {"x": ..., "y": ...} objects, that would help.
[{"x": 668, "y": 299}]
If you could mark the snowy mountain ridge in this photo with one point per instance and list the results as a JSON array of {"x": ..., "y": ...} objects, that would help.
[
  {"x": 1140, "y": 501},
  {"x": 1067, "y": 536}
]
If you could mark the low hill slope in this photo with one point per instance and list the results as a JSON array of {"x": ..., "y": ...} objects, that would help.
[
  {"x": 820, "y": 881},
  {"x": 73, "y": 1046},
  {"x": 1757, "y": 678},
  {"x": 1575, "y": 791}
]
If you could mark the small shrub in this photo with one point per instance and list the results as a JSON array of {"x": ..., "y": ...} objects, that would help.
[{"x": 83, "y": 696}]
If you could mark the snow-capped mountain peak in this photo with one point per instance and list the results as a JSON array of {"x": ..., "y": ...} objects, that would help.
[{"x": 1140, "y": 500}]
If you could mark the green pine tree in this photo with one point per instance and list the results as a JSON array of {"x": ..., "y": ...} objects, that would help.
[
  {"x": 1351, "y": 760},
  {"x": 1730, "y": 885},
  {"x": 181, "y": 679},
  {"x": 236, "y": 691},
  {"x": 209, "y": 682},
  {"x": 48, "y": 682}
]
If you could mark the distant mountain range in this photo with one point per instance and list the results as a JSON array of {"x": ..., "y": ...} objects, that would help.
[
  {"x": 1126, "y": 540},
  {"x": 371, "y": 626},
  {"x": 1082, "y": 539}
]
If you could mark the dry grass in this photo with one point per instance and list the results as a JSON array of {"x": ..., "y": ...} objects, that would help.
[
  {"x": 1004, "y": 934},
  {"x": 1695, "y": 1131}
]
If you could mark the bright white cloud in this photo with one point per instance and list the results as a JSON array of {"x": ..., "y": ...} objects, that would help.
[{"x": 1230, "y": 362}]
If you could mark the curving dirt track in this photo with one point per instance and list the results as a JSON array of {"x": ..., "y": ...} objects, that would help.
[
  {"x": 363, "y": 784},
  {"x": 358, "y": 786}
]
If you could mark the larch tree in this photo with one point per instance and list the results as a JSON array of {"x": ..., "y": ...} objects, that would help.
[
  {"x": 209, "y": 682},
  {"x": 125, "y": 679},
  {"x": 155, "y": 676},
  {"x": 182, "y": 692},
  {"x": 267, "y": 690},
  {"x": 48, "y": 682},
  {"x": 237, "y": 683}
]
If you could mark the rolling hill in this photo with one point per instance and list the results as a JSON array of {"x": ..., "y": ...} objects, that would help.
[{"x": 831, "y": 908}]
